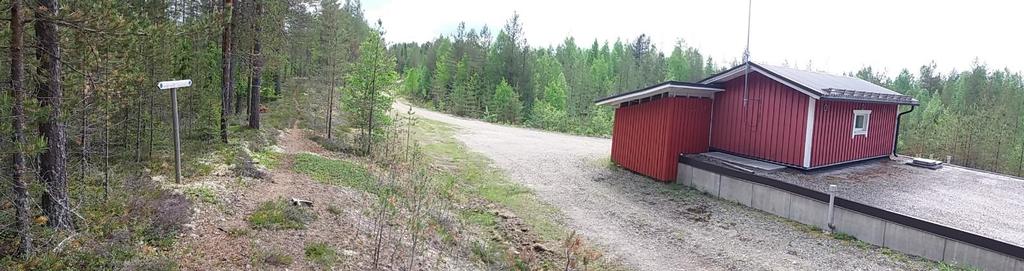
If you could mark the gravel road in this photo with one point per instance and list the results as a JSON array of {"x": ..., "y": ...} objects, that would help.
[{"x": 653, "y": 226}]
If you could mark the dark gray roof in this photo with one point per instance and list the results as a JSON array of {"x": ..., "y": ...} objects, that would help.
[{"x": 830, "y": 86}]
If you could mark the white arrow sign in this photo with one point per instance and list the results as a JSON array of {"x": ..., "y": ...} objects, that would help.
[{"x": 174, "y": 84}]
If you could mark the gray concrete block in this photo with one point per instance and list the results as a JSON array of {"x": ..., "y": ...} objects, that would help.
[
  {"x": 966, "y": 254},
  {"x": 808, "y": 211},
  {"x": 1020, "y": 265},
  {"x": 866, "y": 228},
  {"x": 684, "y": 175},
  {"x": 706, "y": 181},
  {"x": 736, "y": 190},
  {"x": 913, "y": 241},
  {"x": 770, "y": 200}
]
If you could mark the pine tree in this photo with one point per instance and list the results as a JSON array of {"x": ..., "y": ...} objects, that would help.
[
  {"x": 53, "y": 164},
  {"x": 19, "y": 168},
  {"x": 226, "y": 85},
  {"x": 367, "y": 98}
]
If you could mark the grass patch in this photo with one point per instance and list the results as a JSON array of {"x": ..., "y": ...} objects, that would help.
[
  {"x": 322, "y": 254},
  {"x": 944, "y": 266},
  {"x": 895, "y": 255},
  {"x": 267, "y": 157},
  {"x": 274, "y": 257},
  {"x": 479, "y": 218},
  {"x": 334, "y": 172},
  {"x": 842, "y": 236},
  {"x": 201, "y": 193},
  {"x": 279, "y": 215}
]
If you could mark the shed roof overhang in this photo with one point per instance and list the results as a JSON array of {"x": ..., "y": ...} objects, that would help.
[{"x": 673, "y": 88}]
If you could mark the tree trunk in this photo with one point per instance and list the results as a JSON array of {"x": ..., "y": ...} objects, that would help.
[
  {"x": 330, "y": 103},
  {"x": 53, "y": 162},
  {"x": 106, "y": 153},
  {"x": 233, "y": 23},
  {"x": 83, "y": 131},
  {"x": 257, "y": 69},
  {"x": 226, "y": 88},
  {"x": 18, "y": 128}
]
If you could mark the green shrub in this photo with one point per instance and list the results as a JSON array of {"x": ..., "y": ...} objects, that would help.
[
  {"x": 279, "y": 215},
  {"x": 332, "y": 144},
  {"x": 322, "y": 254}
]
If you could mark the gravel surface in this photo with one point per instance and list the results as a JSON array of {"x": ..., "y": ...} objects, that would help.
[
  {"x": 654, "y": 226},
  {"x": 983, "y": 203}
]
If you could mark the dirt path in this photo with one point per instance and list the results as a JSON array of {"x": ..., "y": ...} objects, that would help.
[
  {"x": 215, "y": 242},
  {"x": 653, "y": 226}
]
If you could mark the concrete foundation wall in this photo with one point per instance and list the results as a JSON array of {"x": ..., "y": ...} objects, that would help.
[
  {"x": 735, "y": 190},
  {"x": 864, "y": 227},
  {"x": 705, "y": 181}
]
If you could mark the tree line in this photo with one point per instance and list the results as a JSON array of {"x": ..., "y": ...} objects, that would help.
[
  {"x": 81, "y": 108},
  {"x": 500, "y": 78},
  {"x": 973, "y": 116}
]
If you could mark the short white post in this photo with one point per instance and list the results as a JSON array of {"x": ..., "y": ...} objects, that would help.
[
  {"x": 173, "y": 86},
  {"x": 831, "y": 206}
]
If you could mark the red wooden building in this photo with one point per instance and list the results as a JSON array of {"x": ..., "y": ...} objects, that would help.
[{"x": 797, "y": 118}]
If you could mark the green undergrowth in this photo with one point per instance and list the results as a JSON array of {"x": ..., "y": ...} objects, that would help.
[
  {"x": 267, "y": 157},
  {"x": 334, "y": 171},
  {"x": 201, "y": 193},
  {"x": 322, "y": 254},
  {"x": 280, "y": 215}
]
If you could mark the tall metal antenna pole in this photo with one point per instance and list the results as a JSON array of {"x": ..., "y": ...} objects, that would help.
[{"x": 746, "y": 56}]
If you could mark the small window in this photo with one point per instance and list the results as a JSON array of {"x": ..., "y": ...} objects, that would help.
[{"x": 861, "y": 119}]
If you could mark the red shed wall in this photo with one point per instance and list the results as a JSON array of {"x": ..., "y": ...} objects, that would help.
[
  {"x": 648, "y": 137},
  {"x": 771, "y": 127},
  {"x": 833, "y": 129}
]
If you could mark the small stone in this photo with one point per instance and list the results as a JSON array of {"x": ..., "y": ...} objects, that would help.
[
  {"x": 504, "y": 215},
  {"x": 347, "y": 252}
]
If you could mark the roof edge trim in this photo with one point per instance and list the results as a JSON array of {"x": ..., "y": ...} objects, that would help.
[{"x": 625, "y": 96}]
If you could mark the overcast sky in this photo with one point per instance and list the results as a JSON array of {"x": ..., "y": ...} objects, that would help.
[{"x": 833, "y": 36}]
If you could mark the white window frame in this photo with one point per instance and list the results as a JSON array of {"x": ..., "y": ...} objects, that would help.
[{"x": 867, "y": 123}]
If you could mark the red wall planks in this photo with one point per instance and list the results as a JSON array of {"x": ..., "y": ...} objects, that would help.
[
  {"x": 648, "y": 137},
  {"x": 833, "y": 129},
  {"x": 772, "y": 125}
]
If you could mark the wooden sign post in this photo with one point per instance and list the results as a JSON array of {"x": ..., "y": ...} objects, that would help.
[{"x": 173, "y": 86}]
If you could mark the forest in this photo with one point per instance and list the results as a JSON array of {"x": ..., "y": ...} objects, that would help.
[
  {"x": 84, "y": 123},
  {"x": 974, "y": 115}
]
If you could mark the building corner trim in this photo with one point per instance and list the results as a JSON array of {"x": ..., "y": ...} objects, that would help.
[{"x": 809, "y": 131}]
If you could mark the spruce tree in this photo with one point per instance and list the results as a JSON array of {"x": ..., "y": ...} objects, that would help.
[{"x": 505, "y": 106}]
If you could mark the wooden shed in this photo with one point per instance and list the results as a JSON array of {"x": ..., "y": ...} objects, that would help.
[{"x": 796, "y": 118}]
